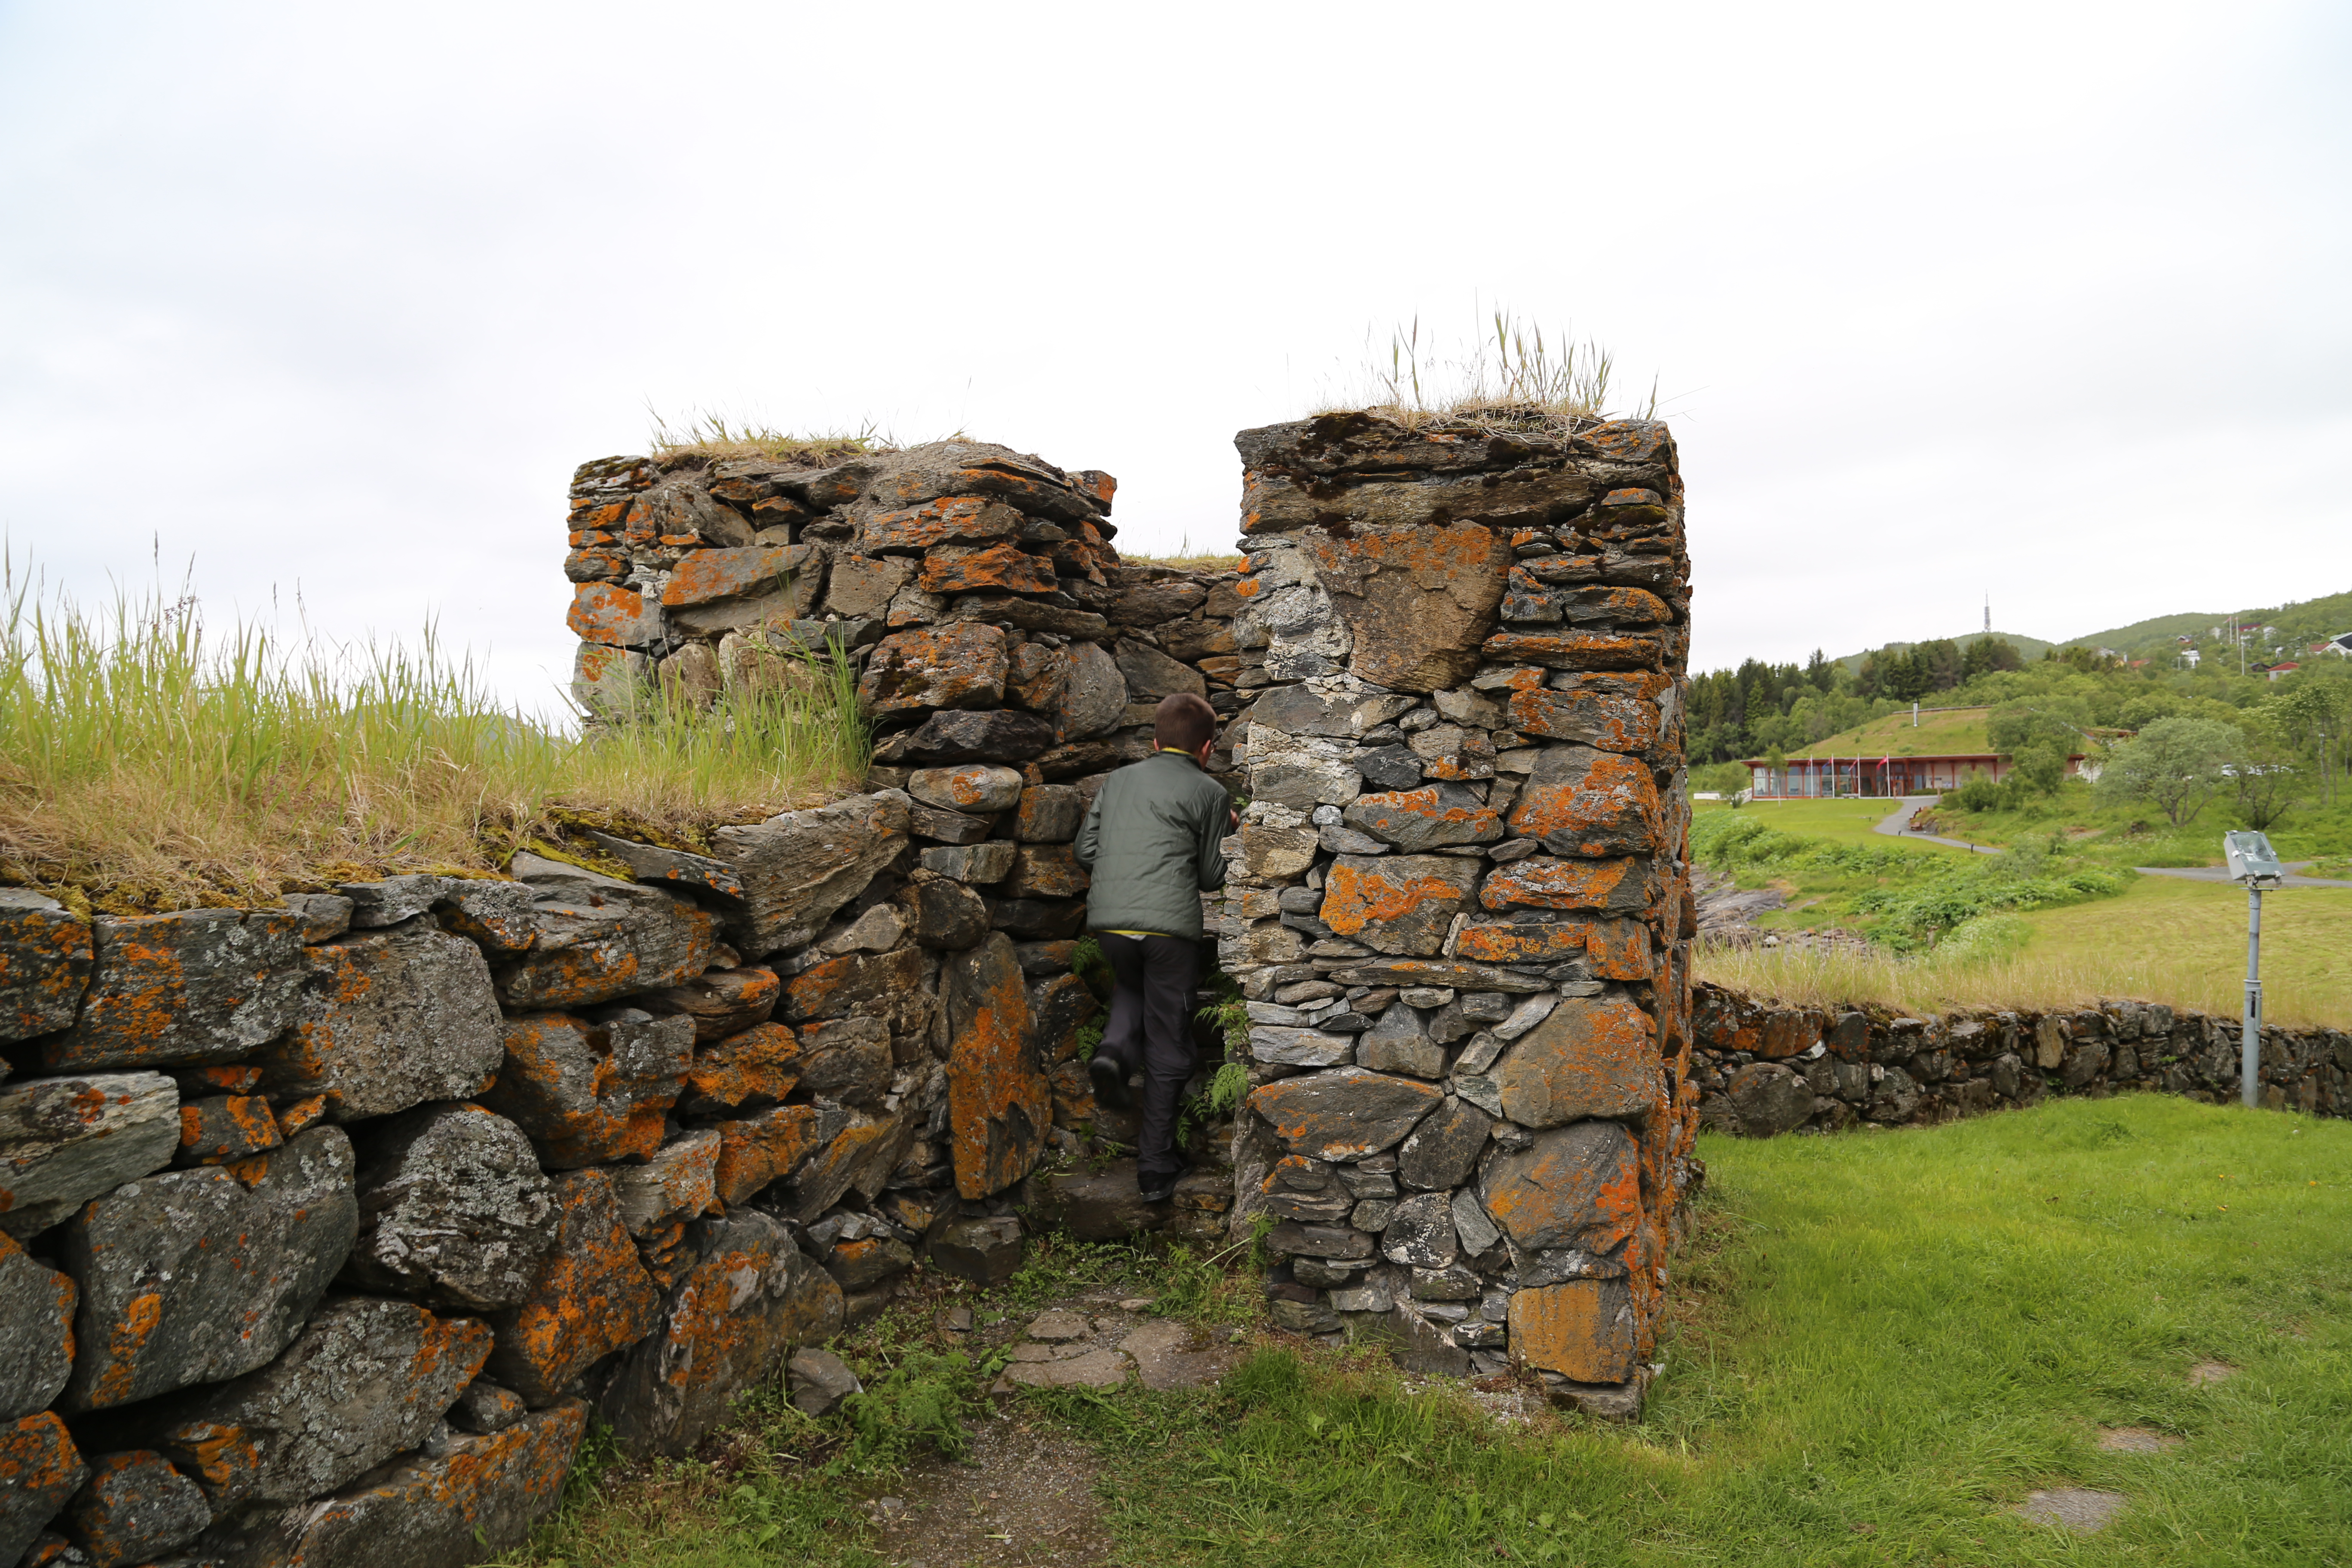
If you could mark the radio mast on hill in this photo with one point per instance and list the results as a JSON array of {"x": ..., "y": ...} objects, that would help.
[{"x": 1987, "y": 614}]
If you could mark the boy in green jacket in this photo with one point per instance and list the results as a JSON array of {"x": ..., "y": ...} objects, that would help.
[{"x": 1151, "y": 841}]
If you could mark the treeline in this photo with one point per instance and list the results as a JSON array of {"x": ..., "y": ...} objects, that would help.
[{"x": 1747, "y": 711}]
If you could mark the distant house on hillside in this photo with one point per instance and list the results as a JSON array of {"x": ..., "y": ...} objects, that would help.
[
  {"x": 2340, "y": 646},
  {"x": 2288, "y": 668},
  {"x": 1935, "y": 750},
  {"x": 2191, "y": 658}
]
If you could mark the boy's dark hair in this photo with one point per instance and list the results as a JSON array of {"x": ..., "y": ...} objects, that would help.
[{"x": 1183, "y": 720}]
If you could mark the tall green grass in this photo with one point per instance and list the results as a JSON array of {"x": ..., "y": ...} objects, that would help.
[
  {"x": 1510, "y": 372},
  {"x": 150, "y": 763}
]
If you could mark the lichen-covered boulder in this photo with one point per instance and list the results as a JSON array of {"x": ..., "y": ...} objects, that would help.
[
  {"x": 846, "y": 1060},
  {"x": 37, "y": 1303},
  {"x": 196, "y": 986},
  {"x": 798, "y": 868},
  {"x": 941, "y": 913},
  {"x": 855, "y": 981},
  {"x": 588, "y": 1091},
  {"x": 196, "y": 1275},
  {"x": 1593, "y": 1057},
  {"x": 759, "y": 1067},
  {"x": 756, "y": 1151},
  {"x": 1000, "y": 1105},
  {"x": 366, "y": 1379},
  {"x": 861, "y": 1155},
  {"x": 1626, "y": 885},
  {"x": 1609, "y": 712},
  {"x": 999, "y": 735},
  {"x": 592, "y": 1297},
  {"x": 45, "y": 961},
  {"x": 725, "y": 1326},
  {"x": 64, "y": 1141},
  {"x": 599, "y": 938},
  {"x": 978, "y": 787},
  {"x": 473, "y": 1496},
  {"x": 136, "y": 1507},
  {"x": 1445, "y": 1148},
  {"x": 389, "y": 1018},
  {"x": 453, "y": 1209}
]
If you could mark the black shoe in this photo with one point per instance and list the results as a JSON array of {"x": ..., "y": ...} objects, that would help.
[
  {"x": 1160, "y": 1189},
  {"x": 1109, "y": 1078}
]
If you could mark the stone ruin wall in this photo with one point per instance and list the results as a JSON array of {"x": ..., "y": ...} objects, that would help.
[
  {"x": 327, "y": 1229},
  {"x": 1763, "y": 1068},
  {"x": 1460, "y": 908}
]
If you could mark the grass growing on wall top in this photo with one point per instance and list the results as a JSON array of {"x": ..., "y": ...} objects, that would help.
[
  {"x": 717, "y": 435},
  {"x": 151, "y": 766},
  {"x": 1511, "y": 375}
]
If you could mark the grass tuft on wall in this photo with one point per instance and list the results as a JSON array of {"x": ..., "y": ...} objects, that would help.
[{"x": 147, "y": 763}]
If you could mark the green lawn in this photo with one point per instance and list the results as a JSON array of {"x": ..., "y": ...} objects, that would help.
[
  {"x": 1843, "y": 821},
  {"x": 1888, "y": 1339}
]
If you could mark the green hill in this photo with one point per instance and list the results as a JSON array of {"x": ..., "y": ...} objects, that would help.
[
  {"x": 2300, "y": 624},
  {"x": 2031, "y": 648}
]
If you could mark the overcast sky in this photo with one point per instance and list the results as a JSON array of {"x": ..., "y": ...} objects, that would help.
[{"x": 2050, "y": 301}]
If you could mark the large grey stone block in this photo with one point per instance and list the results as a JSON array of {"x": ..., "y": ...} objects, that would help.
[
  {"x": 202, "y": 985},
  {"x": 36, "y": 1303},
  {"x": 192, "y": 1276},
  {"x": 797, "y": 868},
  {"x": 45, "y": 962},
  {"x": 64, "y": 1141},
  {"x": 453, "y": 1209},
  {"x": 599, "y": 938}
]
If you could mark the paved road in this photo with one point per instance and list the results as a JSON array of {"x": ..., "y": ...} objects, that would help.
[
  {"x": 2221, "y": 874},
  {"x": 1898, "y": 825}
]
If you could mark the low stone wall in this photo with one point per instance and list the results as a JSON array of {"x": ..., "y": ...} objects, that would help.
[
  {"x": 1762, "y": 1068},
  {"x": 1459, "y": 905},
  {"x": 325, "y": 1230}
]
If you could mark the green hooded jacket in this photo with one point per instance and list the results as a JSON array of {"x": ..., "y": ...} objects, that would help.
[{"x": 1150, "y": 841}]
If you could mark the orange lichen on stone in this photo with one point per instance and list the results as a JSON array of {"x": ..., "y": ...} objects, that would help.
[
  {"x": 481, "y": 1496},
  {"x": 1545, "y": 882},
  {"x": 296, "y": 1115},
  {"x": 962, "y": 665},
  {"x": 999, "y": 1104},
  {"x": 759, "y": 1066},
  {"x": 708, "y": 574},
  {"x": 593, "y": 1296},
  {"x": 1579, "y": 801},
  {"x": 614, "y": 616},
  {"x": 1577, "y": 650},
  {"x": 948, "y": 520},
  {"x": 127, "y": 1337},
  {"x": 1002, "y": 566},
  {"x": 1044, "y": 871},
  {"x": 1616, "y": 713},
  {"x": 1593, "y": 1057},
  {"x": 1583, "y": 1330},
  {"x": 1396, "y": 903},
  {"x": 560, "y": 1083},
  {"x": 226, "y": 1127},
  {"x": 1577, "y": 1186},
  {"x": 758, "y": 1150},
  {"x": 827, "y": 990},
  {"x": 1499, "y": 943}
]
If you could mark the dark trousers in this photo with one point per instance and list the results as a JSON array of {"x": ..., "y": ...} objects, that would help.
[{"x": 1151, "y": 1027}]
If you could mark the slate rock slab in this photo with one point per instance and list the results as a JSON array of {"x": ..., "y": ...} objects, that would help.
[
  {"x": 217, "y": 1273},
  {"x": 727, "y": 1325},
  {"x": 196, "y": 986},
  {"x": 599, "y": 938},
  {"x": 471, "y": 1498},
  {"x": 1768, "y": 1099},
  {"x": 798, "y": 868},
  {"x": 36, "y": 1303},
  {"x": 64, "y": 1141},
  {"x": 1584, "y": 1329},
  {"x": 45, "y": 964},
  {"x": 1100, "y": 1205},
  {"x": 820, "y": 1381},
  {"x": 1344, "y": 1113},
  {"x": 984, "y": 1251},
  {"x": 453, "y": 1209},
  {"x": 1089, "y": 1369},
  {"x": 1571, "y": 1187},
  {"x": 677, "y": 1183},
  {"x": 1592, "y": 1056},
  {"x": 366, "y": 1379},
  {"x": 1445, "y": 1148},
  {"x": 2079, "y": 1510},
  {"x": 593, "y": 1296}
]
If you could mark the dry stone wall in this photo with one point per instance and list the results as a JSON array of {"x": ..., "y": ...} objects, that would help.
[
  {"x": 1459, "y": 904},
  {"x": 1763, "y": 1068},
  {"x": 326, "y": 1230}
]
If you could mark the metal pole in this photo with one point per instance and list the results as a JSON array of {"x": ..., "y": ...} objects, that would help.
[{"x": 2250, "y": 1032}]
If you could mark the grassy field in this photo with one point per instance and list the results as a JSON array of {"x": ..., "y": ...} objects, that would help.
[
  {"x": 146, "y": 765},
  {"x": 1843, "y": 821},
  {"x": 2186, "y": 942},
  {"x": 1884, "y": 1341}
]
